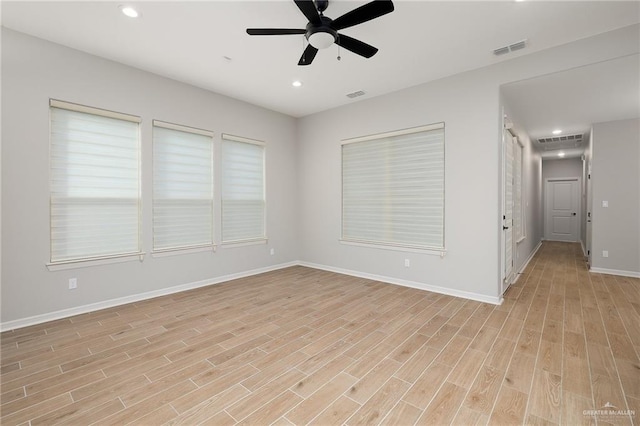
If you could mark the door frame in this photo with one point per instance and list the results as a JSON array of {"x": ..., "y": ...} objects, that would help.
[
  {"x": 578, "y": 181},
  {"x": 505, "y": 281}
]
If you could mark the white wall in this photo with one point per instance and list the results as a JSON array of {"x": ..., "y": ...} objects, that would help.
[
  {"x": 33, "y": 71},
  {"x": 469, "y": 105},
  {"x": 616, "y": 178}
]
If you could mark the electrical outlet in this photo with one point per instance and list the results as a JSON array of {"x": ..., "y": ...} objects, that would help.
[
  {"x": 605, "y": 204},
  {"x": 407, "y": 263},
  {"x": 605, "y": 253},
  {"x": 272, "y": 251},
  {"x": 73, "y": 283}
]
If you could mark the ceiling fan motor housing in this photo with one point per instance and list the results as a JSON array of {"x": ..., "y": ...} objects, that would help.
[{"x": 321, "y": 36}]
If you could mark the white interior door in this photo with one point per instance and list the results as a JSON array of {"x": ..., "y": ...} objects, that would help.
[
  {"x": 562, "y": 209},
  {"x": 507, "y": 211}
]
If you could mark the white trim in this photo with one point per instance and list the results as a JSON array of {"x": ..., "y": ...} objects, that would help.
[
  {"x": 434, "y": 251},
  {"x": 181, "y": 128},
  {"x": 234, "y": 138},
  {"x": 244, "y": 243},
  {"x": 96, "y": 261},
  {"x": 584, "y": 249},
  {"x": 78, "y": 310},
  {"x": 406, "y": 283},
  {"x": 526, "y": 263},
  {"x": 419, "y": 129},
  {"x": 95, "y": 111},
  {"x": 632, "y": 274},
  {"x": 183, "y": 250}
]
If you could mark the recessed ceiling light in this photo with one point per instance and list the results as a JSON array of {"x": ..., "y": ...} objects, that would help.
[
  {"x": 297, "y": 83},
  {"x": 129, "y": 11},
  {"x": 557, "y": 132},
  {"x": 561, "y": 154}
]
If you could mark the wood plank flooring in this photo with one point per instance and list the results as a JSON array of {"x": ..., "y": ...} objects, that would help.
[{"x": 302, "y": 346}]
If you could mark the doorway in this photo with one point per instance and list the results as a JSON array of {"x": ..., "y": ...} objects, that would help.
[
  {"x": 562, "y": 209},
  {"x": 508, "y": 243}
]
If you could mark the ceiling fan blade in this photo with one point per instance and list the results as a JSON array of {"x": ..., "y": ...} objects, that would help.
[
  {"x": 362, "y": 14},
  {"x": 308, "y": 55},
  {"x": 308, "y": 8},
  {"x": 356, "y": 46},
  {"x": 274, "y": 31}
]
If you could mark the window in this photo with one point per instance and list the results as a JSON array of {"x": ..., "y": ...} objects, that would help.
[
  {"x": 95, "y": 183},
  {"x": 182, "y": 187},
  {"x": 393, "y": 188},
  {"x": 243, "y": 199}
]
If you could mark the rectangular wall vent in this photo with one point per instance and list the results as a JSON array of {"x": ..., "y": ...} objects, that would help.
[
  {"x": 578, "y": 139},
  {"x": 510, "y": 48},
  {"x": 355, "y": 94}
]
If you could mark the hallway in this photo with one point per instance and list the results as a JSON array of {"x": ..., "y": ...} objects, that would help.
[{"x": 589, "y": 326}]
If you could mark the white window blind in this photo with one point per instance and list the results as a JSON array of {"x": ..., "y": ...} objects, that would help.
[
  {"x": 182, "y": 187},
  {"x": 95, "y": 183},
  {"x": 243, "y": 190},
  {"x": 393, "y": 188}
]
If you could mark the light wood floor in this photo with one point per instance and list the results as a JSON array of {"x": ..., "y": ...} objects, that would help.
[{"x": 302, "y": 346}]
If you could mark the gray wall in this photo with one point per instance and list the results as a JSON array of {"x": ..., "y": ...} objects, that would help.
[
  {"x": 559, "y": 168},
  {"x": 303, "y": 172},
  {"x": 469, "y": 105},
  {"x": 33, "y": 71},
  {"x": 616, "y": 178}
]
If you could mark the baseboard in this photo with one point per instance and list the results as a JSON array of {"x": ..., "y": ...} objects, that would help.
[
  {"x": 407, "y": 283},
  {"x": 66, "y": 313},
  {"x": 632, "y": 274},
  {"x": 526, "y": 263}
]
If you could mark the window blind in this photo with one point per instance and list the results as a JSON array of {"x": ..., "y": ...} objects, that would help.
[
  {"x": 393, "y": 188},
  {"x": 243, "y": 190},
  {"x": 182, "y": 187},
  {"x": 94, "y": 183}
]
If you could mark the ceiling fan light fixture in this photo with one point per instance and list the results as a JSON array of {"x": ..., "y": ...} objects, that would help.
[{"x": 321, "y": 39}]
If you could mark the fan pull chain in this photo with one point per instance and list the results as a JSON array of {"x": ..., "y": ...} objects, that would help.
[{"x": 339, "y": 57}]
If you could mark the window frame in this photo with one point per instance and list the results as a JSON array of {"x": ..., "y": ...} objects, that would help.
[
  {"x": 252, "y": 240},
  {"x": 90, "y": 260},
  {"x": 188, "y": 248},
  {"x": 388, "y": 245}
]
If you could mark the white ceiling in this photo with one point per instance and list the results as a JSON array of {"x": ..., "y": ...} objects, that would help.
[
  {"x": 420, "y": 41},
  {"x": 573, "y": 100}
]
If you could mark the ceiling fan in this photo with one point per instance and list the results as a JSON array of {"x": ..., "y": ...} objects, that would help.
[{"x": 322, "y": 31}]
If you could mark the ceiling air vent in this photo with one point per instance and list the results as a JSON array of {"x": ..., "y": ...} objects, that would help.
[
  {"x": 560, "y": 139},
  {"x": 355, "y": 94},
  {"x": 510, "y": 48}
]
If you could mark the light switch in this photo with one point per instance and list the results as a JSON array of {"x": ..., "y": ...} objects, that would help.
[{"x": 605, "y": 204}]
